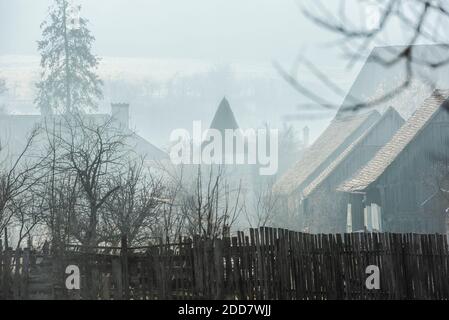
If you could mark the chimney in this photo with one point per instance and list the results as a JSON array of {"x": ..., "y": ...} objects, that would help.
[
  {"x": 305, "y": 136},
  {"x": 120, "y": 112}
]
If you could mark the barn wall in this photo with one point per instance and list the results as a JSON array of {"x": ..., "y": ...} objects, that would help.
[
  {"x": 357, "y": 133},
  {"x": 327, "y": 208},
  {"x": 411, "y": 180},
  {"x": 326, "y": 211}
]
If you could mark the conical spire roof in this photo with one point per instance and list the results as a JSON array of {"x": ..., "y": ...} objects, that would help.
[{"x": 224, "y": 117}]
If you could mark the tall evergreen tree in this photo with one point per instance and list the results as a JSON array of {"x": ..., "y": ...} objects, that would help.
[{"x": 69, "y": 82}]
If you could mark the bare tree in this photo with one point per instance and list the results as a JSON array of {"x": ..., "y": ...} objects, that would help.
[
  {"x": 171, "y": 222},
  {"x": 197, "y": 201},
  {"x": 60, "y": 192},
  {"x": 27, "y": 215},
  {"x": 18, "y": 174},
  {"x": 88, "y": 153},
  {"x": 261, "y": 209},
  {"x": 421, "y": 20},
  {"x": 213, "y": 205},
  {"x": 132, "y": 210}
]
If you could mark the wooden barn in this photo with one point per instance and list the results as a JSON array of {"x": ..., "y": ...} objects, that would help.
[
  {"x": 324, "y": 209},
  {"x": 338, "y": 136},
  {"x": 328, "y": 159},
  {"x": 320, "y": 208},
  {"x": 404, "y": 187}
]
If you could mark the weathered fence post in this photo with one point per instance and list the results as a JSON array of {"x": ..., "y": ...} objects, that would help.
[
  {"x": 198, "y": 270},
  {"x": 218, "y": 260},
  {"x": 161, "y": 263},
  {"x": 25, "y": 273},
  {"x": 228, "y": 284},
  {"x": 85, "y": 279},
  {"x": 271, "y": 264},
  {"x": 124, "y": 262},
  {"x": 1, "y": 270},
  {"x": 117, "y": 276},
  {"x": 7, "y": 273},
  {"x": 406, "y": 277},
  {"x": 105, "y": 287},
  {"x": 16, "y": 279}
]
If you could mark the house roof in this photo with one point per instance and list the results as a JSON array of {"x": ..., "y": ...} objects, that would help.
[
  {"x": 224, "y": 117},
  {"x": 377, "y": 78},
  {"x": 14, "y": 131},
  {"x": 339, "y": 134},
  {"x": 373, "y": 82},
  {"x": 143, "y": 147},
  {"x": 326, "y": 172},
  {"x": 387, "y": 155}
]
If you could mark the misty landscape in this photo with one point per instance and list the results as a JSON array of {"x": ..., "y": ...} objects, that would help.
[{"x": 224, "y": 150}]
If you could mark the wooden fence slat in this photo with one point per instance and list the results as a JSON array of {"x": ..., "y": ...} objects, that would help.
[{"x": 266, "y": 263}]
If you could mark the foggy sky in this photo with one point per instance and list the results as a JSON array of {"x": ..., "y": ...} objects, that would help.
[
  {"x": 212, "y": 31},
  {"x": 198, "y": 29}
]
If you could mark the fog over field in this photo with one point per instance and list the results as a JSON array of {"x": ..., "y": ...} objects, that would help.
[
  {"x": 229, "y": 150},
  {"x": 220, "y": 48}
]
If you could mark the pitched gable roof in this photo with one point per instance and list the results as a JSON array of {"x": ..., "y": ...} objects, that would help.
[
  {"x": 375, "y": 79},
  {"x": 337, "y": 136},
  {"x": 374, "y": 76},
  {"x": 224, "y": 117},
  {"x": 144, "y": 147},
  {"x": 387, "y": 155},
  {"x": 391, "y": 112},
  {"x": 14, "y": 131}
]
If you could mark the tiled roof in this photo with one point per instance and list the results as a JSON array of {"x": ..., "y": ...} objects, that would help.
[
  {"x": 326, "y": 172},
  {"x": 338, "y": 134}
]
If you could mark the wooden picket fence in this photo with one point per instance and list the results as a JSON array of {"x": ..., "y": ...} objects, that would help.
[
  {"x": 263, "y": 263},
  {"x": 14, "y": 273}
]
